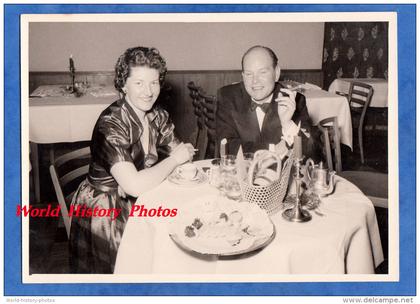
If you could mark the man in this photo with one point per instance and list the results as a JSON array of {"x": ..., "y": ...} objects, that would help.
[{"x": 258, "y": 111}]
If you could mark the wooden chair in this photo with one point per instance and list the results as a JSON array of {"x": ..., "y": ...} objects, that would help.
[
  {"x": 360, "y": 96},
  {"x": 66, "y": 179},
  {"x": 200, "y": 141},
  {"x": 373, "y": 184},
  {"x": 209, "y": 106},
  {"x": 330, "y": 136}
]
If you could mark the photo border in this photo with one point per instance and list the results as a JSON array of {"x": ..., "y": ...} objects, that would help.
[{"x": 12, "y": 161}]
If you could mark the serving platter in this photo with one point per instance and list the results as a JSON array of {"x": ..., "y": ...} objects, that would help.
[{"x": 216, "y": 225}]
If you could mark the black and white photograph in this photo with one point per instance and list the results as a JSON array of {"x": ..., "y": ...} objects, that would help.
[{"x": 249, "y": 147}]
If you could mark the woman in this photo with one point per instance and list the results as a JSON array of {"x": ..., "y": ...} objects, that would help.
[{"x": 124, "y": 159}]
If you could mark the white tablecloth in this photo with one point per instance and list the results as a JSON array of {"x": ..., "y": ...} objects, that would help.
[
  {"x": 322, "y": 104},
  {"x": 61, "y": 119},
  {"x": 344, "y": 240},
  {"x": 380, "y": 89}
]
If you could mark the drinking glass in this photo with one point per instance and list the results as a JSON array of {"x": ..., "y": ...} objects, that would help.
[
  {"x": 215, "y": 174},
  {"x": 230, "y": 178},
  {"x": 248, "y": 158}
]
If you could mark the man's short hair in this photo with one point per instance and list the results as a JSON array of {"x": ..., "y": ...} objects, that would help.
[{"x": 267, "y": 49}]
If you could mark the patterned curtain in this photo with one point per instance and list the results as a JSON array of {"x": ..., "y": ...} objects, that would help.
[{"x": 355, "y": 50}]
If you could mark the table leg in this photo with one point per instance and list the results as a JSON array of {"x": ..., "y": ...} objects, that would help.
[{"x": 35, "y": 170}]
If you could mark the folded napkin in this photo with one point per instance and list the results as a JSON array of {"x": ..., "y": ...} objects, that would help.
[
  {"x": 309, "y": 86},
  {"x": 240, "y": 164}
]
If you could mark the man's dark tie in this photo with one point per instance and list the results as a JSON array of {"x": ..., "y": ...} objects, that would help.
[{"x": 264, "y": 106}]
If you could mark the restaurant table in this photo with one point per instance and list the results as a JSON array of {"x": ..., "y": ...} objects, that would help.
[
  {"x": 58, "y": 119},
  {"x": 55, "y": 119},
  {"x": 322, "y": 104},
  {"x": 344, "y": 240},
  {"x": 380, "y": 89}
]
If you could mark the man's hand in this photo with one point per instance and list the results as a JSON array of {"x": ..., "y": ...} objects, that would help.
[{"x": 286, "y": 106}]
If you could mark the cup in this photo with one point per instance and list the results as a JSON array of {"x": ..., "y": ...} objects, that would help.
[{"x": 187, "y": 171}]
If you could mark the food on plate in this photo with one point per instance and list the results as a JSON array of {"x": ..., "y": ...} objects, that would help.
[
  {"x": 217, "y": 225},
  {"x": 224, "y": 226},
  {"x": 189, "y": 231},
  {"x": 197, "y": 223}
]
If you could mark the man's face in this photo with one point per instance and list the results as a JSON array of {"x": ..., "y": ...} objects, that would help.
[{"x": 259, "y": 75}]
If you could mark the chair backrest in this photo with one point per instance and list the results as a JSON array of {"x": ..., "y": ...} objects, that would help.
[
  {"x": 196, "y": 102},
  {"x": 373, "y": 184},
  {"x": 200, "y": 141},
  {"x": 209, "y": 112},
  {"x": 209, "y": 106},
  {"x": 67, "y": 171},
  {"x": 360, "y": 96},
  {"x": 330, "y": 136}
]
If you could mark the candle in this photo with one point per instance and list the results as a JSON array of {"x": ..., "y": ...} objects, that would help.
[
  {"x": 223, "y": 143},
  {"x": 71, "y": 63},
  {"x": 298, "y": 146}
]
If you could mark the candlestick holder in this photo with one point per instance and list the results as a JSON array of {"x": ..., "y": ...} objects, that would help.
[
  {"x": 296, "y": 213},
  {"x": 72, "y": 70}
]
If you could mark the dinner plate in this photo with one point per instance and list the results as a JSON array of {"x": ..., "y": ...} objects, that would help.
[
  {"x": 215, "y": 225},
  {"x": 177, "y": 179}
]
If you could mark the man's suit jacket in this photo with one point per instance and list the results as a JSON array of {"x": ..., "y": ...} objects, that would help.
[{"x": 238, "y": 123}]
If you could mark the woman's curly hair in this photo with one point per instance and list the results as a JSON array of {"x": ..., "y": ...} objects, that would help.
[{"x": 138, "y": 56}]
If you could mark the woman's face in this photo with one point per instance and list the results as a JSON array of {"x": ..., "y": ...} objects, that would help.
[{"x": 142, "y": 87}]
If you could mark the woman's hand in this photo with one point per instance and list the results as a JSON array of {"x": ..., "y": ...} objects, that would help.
[
  {"x": 133, "y": 182},
  {"x": 183, "y": 153}
]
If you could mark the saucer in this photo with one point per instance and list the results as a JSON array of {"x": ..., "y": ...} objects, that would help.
[{"x": 198, "y": 179}]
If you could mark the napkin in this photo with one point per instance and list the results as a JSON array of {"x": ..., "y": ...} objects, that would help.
[
  {"x": 309, "y": 86},
  {"x": 241, "y": 164}
]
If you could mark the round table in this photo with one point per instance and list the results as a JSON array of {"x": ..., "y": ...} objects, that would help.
[{"x": 343, "y": 240}]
